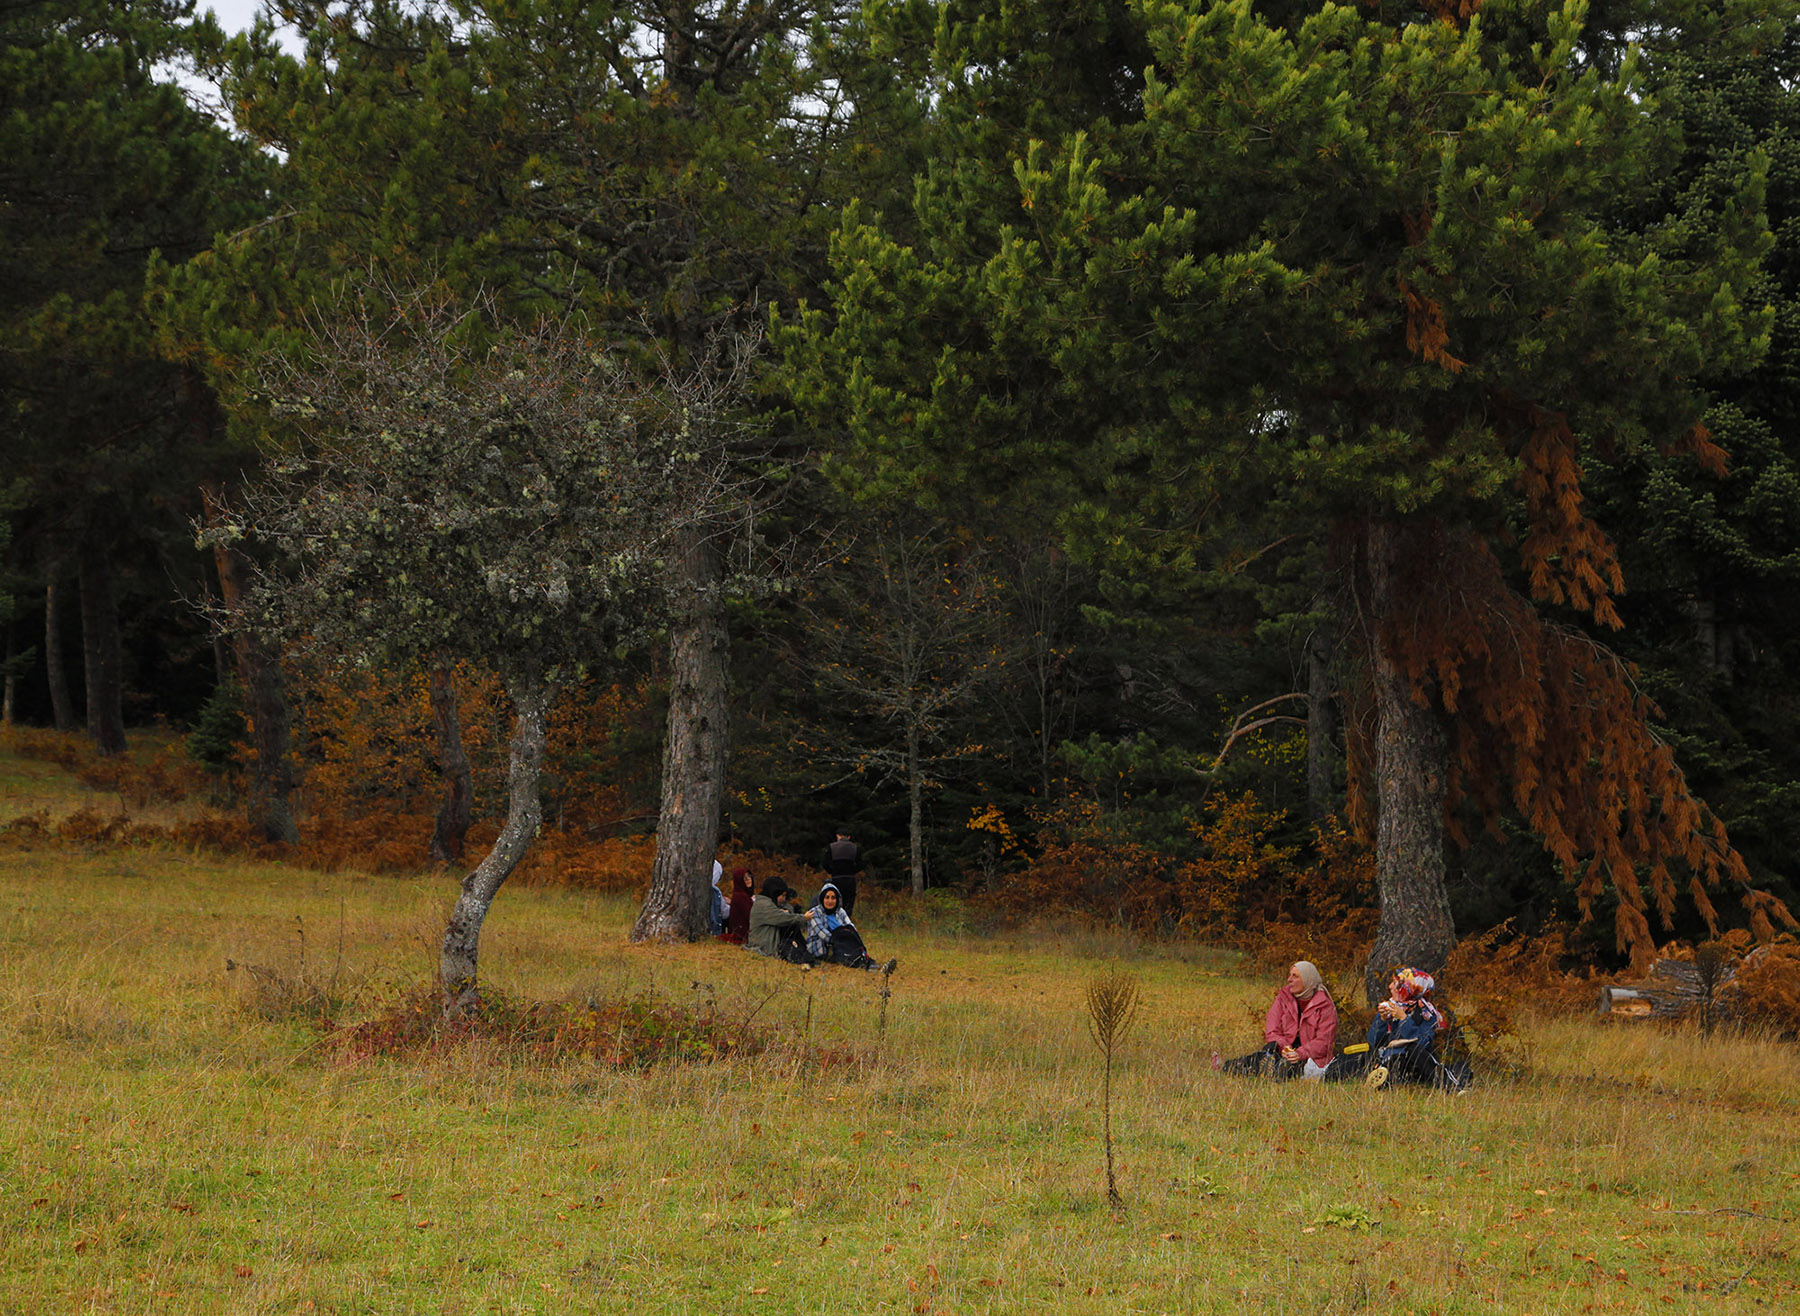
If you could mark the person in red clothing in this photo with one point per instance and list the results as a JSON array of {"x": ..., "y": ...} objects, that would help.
[
  {"x": 1301, "y": 1026},
  {"x": 737, "y": 921}
]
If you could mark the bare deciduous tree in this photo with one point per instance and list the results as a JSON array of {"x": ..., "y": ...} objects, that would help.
[{"x": 454, "y": 487}]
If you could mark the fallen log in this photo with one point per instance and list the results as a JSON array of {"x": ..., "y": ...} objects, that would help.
[{"x": 1675, "y": 989}]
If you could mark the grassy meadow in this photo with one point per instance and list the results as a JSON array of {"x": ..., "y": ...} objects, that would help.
[{"x": 170, "y": 1146}]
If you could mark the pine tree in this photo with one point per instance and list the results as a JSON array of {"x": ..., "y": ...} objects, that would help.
[
  {"x": 659, "y": 168},
  {"x": 100, "y": 167},
  {"x": 1358, "y": 270}
]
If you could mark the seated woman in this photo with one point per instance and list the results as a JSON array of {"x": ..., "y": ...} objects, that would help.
[
  {"x": 833, "y": 938},
  {"x": 1298, "y": 1031},
  {"x": 774, "y": 928},
  {"x": 1401, "y": 1036},
  {"x": 721, "y": 906},
  {"x": 737, "y": 918}
]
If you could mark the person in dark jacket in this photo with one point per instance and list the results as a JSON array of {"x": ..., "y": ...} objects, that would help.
[
  {"x": 1405, "y": 1028},
  {"x": 775, "y": 929},
  {"x": 844, "y": 864}
]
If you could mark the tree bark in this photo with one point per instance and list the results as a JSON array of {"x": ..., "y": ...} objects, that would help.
[
  {"x": 56, "y": 670},
  {"x": 265, "y": 702},
  {"x": 1411, "y": 776},
  {"x": 1321, "y": 729},
  {"x": 452, "y": 824},
  {"x": 457, "y": 965},
  {"x": 915, "y": 799},
  {"x": 103, "y": 664},
  {"x": 12, "y": 678},
  {"x": 678, "y": 906}
]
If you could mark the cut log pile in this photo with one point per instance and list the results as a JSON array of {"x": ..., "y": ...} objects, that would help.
[{"x": 1675, "y": 989}]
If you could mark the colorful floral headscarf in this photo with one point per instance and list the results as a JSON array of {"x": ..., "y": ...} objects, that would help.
[{"x": 1412, "y": 984}]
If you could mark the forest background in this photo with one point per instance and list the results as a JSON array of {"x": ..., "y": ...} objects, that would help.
[{"x": 1035, "y": 615}]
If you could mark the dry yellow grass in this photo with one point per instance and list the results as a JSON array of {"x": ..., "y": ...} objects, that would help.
[{"x": 170, "y": 1150}]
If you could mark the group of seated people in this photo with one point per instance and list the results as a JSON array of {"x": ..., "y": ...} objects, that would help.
[
  {"x": 770, "y": 923},
  {"x": 1300, "y": 1035}
]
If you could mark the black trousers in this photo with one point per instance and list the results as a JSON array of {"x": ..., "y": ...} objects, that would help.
[
  {"x": 846, "y": 892},
  {"x": 1407, "y": 1064},
  {"x": 1266, "y": 1061}
]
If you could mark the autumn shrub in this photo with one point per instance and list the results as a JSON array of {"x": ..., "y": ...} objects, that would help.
[
  {"x": 166, "y": 777},
  {"x": 627, "y": 1032},
  {"x": 1766, "y": 990},
  {"x": 87, "y": 826},
  {"x": 1078, "y": 871},
  {"x": 27, "y": 829},
  {"x": 367, "y": 742},
  {"x": 1241, "y": 878},
  {"x": 618, "y": 865},
  {"x": 1245, "y": 881},
  {"x": 803, "y": 877}
]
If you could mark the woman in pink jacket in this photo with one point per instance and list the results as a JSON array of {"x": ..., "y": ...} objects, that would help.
[{"x": 1301, "y": 1026}]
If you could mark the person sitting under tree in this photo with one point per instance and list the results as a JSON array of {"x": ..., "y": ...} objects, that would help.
[
  {"x": 775, "y": 929},
  {"x": 1401, "y": 1035},
  {"x": 1298, "y": 1031},
  {"x": 832, "y": 938}
]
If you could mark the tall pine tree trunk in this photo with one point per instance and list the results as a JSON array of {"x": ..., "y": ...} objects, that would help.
[
  {"x": 1411, "y": 777},
  {"x": 103, "y": 662},
  {"x": 265, "y": 701},
  {"x": 915, "y": 800},
  {"x": 679, "y": 906},
  {"x": 453, "y": 765},
  {"x": 457, "y": 965},
  {"x": 1321, "y": 729},
  {"x": 56, "y": 666}
]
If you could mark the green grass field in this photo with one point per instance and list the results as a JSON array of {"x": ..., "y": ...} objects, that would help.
[{"x": 169, "y": 1148}]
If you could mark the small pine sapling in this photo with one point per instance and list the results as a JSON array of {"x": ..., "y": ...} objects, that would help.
[{"x": 1112, "y": 1004}]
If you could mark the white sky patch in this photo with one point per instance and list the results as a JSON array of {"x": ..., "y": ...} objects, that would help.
[{"x": 233, "y": 16}]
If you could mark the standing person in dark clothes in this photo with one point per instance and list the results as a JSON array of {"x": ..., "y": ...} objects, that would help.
[{"x": 844, "y": 864}]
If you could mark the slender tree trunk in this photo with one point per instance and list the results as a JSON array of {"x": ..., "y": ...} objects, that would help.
[
  {"x": 56, "y": 669},
  {"x": 453, "y": 764},
  {"x": 12, "y": 680},
  {"x": 678, "y": 906},
  {"x": 1321, "y": 729},
  {"x": 530, "y": 694},
  {"x": 915, "y": 798},
  {"x": 103, "y": 664},
  {"x": 1411, "y": 775},
  {"x": 265, "y": 702}
]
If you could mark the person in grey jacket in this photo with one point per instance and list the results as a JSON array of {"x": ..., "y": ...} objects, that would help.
[{"x": 775, "y": 929}]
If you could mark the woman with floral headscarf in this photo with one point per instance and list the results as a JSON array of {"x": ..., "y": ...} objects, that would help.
[
  {"x": 1298, "y": 1030},
  {"x": 1401, "y": 1035}
]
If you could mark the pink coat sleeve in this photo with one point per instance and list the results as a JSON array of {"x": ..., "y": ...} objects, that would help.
[
  {"x": 1318, "y": 1029},
  {"x": 1283, "y": 1019}
]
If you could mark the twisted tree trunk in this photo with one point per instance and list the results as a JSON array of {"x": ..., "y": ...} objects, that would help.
[
  {"x": 679, "y": 906},
  {"x": 1411, "y": 777},
  {"x": 530, "y": 694}
]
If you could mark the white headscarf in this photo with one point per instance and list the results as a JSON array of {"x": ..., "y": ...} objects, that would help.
[{"x": 1309, "y": 974}]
